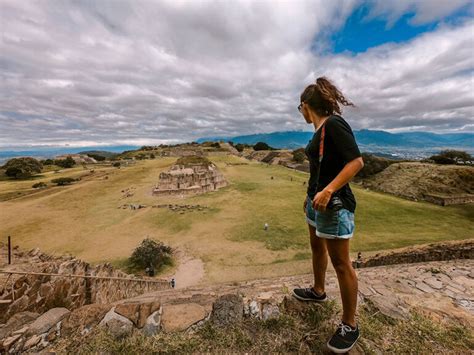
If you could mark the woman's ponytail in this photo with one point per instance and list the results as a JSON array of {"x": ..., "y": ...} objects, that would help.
[{"x": 324, "y": 97}]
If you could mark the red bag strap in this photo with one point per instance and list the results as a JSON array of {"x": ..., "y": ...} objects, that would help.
[
  {"x": 321, "y": 150},
  {"x": 321, "y": 142}
]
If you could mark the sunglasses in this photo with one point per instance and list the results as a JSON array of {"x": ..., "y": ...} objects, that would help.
[{"x": 300, "y": 106}]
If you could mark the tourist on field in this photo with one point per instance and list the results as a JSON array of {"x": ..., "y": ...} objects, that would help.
[{"x": 329, "y": 206}]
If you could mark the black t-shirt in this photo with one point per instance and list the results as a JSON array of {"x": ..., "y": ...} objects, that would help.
[{"x": 340, "y": 148}]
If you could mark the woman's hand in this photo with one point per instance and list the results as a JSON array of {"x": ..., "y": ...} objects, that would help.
[{"x": 321, "y": 200}]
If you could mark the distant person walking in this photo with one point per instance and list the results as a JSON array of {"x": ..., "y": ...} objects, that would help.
[{"x": 329, "y": 206}]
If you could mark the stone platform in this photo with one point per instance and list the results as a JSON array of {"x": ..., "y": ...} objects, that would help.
[{"x": 444, "y": 289}]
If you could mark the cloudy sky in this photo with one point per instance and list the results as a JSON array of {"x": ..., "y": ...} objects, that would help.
[{"x": 150, "y": 72}]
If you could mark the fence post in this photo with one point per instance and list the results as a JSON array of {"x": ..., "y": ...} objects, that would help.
[{"x": 9, "y": 250}]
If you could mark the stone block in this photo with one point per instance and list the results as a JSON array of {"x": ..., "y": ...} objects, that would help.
[
  {"x": 84, "y": 318},
  {"x": 270, "y": 311},
  {"x": 118, "y": 326},
  {"x": 8, "y": 342},
  {"x": 47, "y": 320},
  {"x": 31, "y": 342},
  {"x": 180, "y": 317},
  {"x": 137, "y": 312},
  {"x": 152, "y": 324},
  {"x": 227, "y": 309},
  {"x": 390, "y": 306}
]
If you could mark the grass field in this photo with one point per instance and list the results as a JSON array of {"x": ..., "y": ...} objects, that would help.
[{"x": 84, "y": 219}]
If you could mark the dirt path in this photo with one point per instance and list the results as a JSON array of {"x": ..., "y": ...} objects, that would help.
[{"x": 190, "y": 271}]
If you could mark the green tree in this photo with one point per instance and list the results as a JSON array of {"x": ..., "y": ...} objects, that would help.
[
  {"x": 22, "y": 168},
  {"x": 453, "y": 156},
  {"x": 151, "y": 252},
  {"x": 65, "y": 163},
  {"x": 262, "y": 146}
]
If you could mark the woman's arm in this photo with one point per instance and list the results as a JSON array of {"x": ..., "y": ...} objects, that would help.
[{"x": 345, "y": 175}]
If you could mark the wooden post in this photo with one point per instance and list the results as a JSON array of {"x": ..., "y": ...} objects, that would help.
[{"x": 9, "y": 250}]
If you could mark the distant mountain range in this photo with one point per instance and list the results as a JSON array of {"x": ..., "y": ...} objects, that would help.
[
  {"x": 51, "y": 152},
  {"x": 412, "y": 143}
]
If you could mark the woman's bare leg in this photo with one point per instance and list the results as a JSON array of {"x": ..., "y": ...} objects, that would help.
[
  {"x": 320, "y": 260},
  {"x": 339, "y": 252}
]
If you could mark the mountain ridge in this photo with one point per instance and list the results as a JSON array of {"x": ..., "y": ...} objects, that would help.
[{"x": 296, "y": 139}]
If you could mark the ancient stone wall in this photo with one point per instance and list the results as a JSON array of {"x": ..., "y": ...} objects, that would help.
[
  {"x": 433, "y": 252},
  {"x": 38, "y": 293},
  {"x": 181, "y": 152},
  {"x": 449, "y": 200}
]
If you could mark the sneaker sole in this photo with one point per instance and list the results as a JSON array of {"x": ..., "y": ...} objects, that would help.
[
  {"x": 341, "y": 351},
  {"x": 309, "y": 299}
]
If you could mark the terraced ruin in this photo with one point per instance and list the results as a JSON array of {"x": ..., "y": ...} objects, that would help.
[{"x": 190, "y": 175}]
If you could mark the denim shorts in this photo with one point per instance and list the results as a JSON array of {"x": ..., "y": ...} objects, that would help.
[{"x": 330, "y": 224}]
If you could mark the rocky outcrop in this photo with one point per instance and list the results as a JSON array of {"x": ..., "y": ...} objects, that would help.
[
  {"x": 194, "y": 175},
  {"x": 440, "y": 184}
]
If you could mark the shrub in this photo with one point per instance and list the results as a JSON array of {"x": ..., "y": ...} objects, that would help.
[
  {"x": 22, "y": 168},
  {"x": 65, "y": 163},
  {"x": 262, "y": 146},
  {"x": 48, "y": 162},
  {"x": 240, "y": 147},
  {"x": 63, "y": 181},
  {"x": 452, "y": 157},
  {"x": 116, "y": 164},
  {"x": 152, "y": 156},
  {"x": 438, "y": 159},
  {"x": 151, "y": 252},
  {"x": 141, "y": 156},
  {"x": 39, "y": 185}
]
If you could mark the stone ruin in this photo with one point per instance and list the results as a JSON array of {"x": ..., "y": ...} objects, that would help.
[
  {"x": 190, "y": 175},
  {"x": 181, "y": 152},
  {"x": 39, "y": 290}
]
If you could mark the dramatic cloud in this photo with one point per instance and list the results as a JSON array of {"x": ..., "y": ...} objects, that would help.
[
  {"x": 133, "y": 72},
  {"x": 426, "y": 84}
]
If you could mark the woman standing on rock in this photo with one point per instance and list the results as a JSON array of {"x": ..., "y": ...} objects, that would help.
[{"x": 330, "y": 204}]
